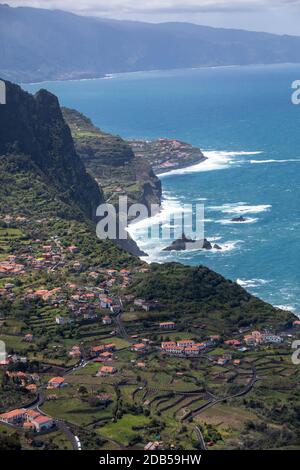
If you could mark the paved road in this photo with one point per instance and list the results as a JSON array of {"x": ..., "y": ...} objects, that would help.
[
  {"x": 122, "y": 329},
  {"x": 200, "y": 437},
  {"x": 215, "y": 401},
  {"x": 62, "y": 425}
]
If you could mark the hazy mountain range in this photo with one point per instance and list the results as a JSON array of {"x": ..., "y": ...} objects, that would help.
[{"x": 40, "y": 44}]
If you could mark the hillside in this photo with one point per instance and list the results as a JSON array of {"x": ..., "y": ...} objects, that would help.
[
  {"x": 45, "y": 49},
  {"x": 202, "y": 295},
  {"x": 33, "y": 130},
  {"x": 80, "y": 311}
]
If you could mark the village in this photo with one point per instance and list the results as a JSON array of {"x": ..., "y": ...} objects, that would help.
[
  {"x": 166, "y": 154},
  {"x": 91, "y": 344}
]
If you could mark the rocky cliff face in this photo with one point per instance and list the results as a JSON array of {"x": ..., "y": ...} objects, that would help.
[
  {"x": 33, "y": 126},
  {"x": 151, "y": 184},
  {"x": 97, "y": 148},
  {"x": 111, "y": 161}
]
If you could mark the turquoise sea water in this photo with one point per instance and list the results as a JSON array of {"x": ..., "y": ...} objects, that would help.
[{"x": 244, "y": 121}]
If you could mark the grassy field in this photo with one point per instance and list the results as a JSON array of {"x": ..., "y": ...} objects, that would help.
[
  {"x": 122, "y": 431},
  {"x": 76, "y": 411}
]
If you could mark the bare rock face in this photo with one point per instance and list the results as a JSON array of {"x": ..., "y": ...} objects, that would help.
[
  {"x": 184, "y": 243},
  {"x": 239, "y": 219}
]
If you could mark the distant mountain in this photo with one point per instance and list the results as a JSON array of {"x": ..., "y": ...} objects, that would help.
[{"x": 38, "y": 44}]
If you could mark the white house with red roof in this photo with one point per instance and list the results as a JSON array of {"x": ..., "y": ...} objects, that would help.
[
  {"x": 56, "y": 382},
  {"x": 140, "y": 347},
  {"x": 42, "y": 423},
  {"x": 168, "y": 325}
]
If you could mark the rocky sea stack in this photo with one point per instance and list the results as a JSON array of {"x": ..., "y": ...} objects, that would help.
[{"x": 184, "y": 243}]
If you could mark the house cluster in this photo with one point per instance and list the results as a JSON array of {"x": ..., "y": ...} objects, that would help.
[
  {"x": 88, "y": 303},
  {"x": 30, "y": 420},
  {"x": 123, "y": 278},
  {"x": 168, "y": 325},
  {"x": 12, "y": 359},
  {"x": 75, "y": 352},
  {"x": 6, "y": 292},
  {"x": 256, "y": 338},
  {"x": 164, "y": 153},
  {"x": 103, "y": 352},
  {"x": 14, "y": 219},
  {"x": 29, "y": 381},
  {"x": 82, "y": 303},
  {"x": 44, "y": 294},
  {"x": 184, "y": 347},
  {"x": 37, "y": 257},
  {"x": 146, "y": 305},
  {"x": 9, "y": 268}
]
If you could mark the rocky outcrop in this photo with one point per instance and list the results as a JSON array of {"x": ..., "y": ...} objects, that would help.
[
  {"x": 239, "y": 219},
  {"x": 184, "y": 243},
  {"x": 111, "y": 161}
]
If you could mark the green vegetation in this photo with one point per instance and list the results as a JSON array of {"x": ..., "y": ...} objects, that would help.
[
  {"x": 54, "y": 271},
  {"x": 200, "y": 295},
  {"x": 111, "y": 161}
]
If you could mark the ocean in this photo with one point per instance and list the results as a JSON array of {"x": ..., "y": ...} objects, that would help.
[{"x": 245, "y": 123}]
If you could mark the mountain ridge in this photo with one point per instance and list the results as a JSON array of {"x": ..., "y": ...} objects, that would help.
[
  {"x": 33, "y": 126},
  {"x": 56, "y": 276},
  {"x": 45, "y": 49}
]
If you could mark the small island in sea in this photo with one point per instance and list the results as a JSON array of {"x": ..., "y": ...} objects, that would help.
[
  {"x": 183, "y": 243},
  {"x": 240, "y": 219}
]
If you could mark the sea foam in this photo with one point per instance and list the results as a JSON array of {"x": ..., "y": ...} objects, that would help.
[
  {"x": 261, "y": 162},
  {"x": 216, "y": 160},
  {"x": 240, "y": 208}
]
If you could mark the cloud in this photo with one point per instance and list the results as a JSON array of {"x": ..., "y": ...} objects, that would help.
[
  {"x": 277, "y": 16},
  {"x": 98, "y": 7}
]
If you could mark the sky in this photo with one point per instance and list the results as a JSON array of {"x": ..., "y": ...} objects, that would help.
[{"x": 276, "y": 16}]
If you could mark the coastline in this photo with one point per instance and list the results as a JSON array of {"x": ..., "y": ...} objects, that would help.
[
  {"x": 113, "y": 75},
  {"x": 166, "y": 173},
  {"x": 180, "y": 167},
  {"x": 185, "y": 170},
  {"x": 171, "y": 181}
]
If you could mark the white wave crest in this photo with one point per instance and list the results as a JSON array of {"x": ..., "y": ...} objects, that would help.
[
  {"x": 286, "y": 308},
  {"x": 216, "y": 160},
  {"x": 248, "y": 283},
  {"x": 241, "y": 208},
  {"x": 258, "y": 162},
  {"x": 250, "y": 220}
]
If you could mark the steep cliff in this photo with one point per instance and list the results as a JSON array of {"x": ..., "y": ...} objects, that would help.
[
  {"x": 32, "y": 130},
  {"x": 111, "y": 161}
]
